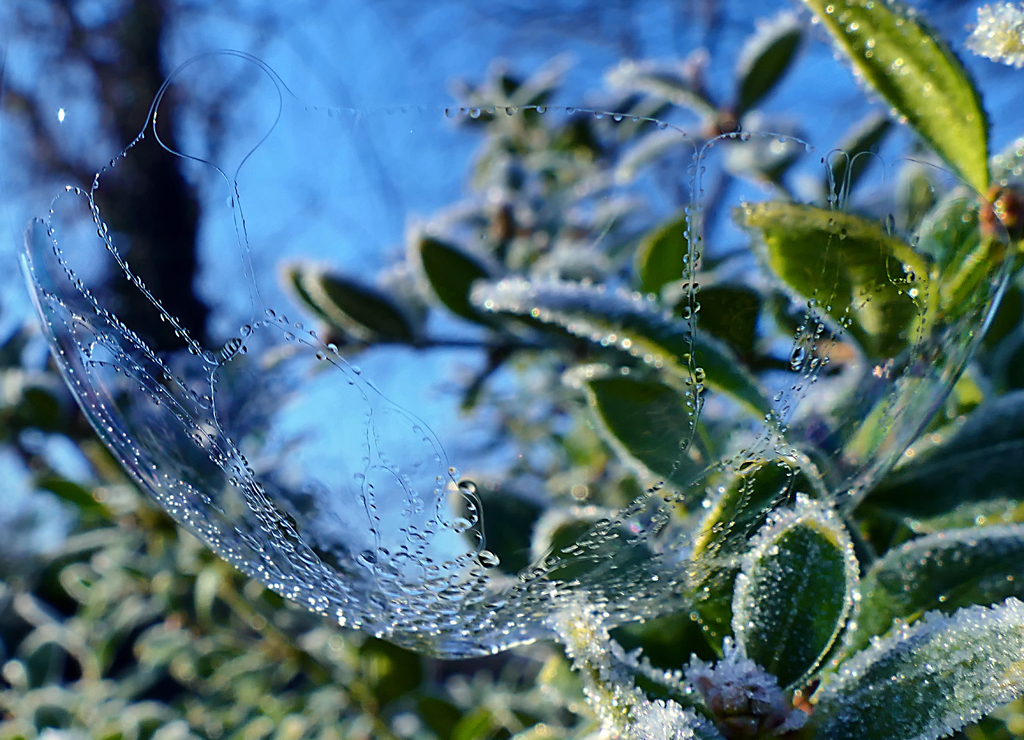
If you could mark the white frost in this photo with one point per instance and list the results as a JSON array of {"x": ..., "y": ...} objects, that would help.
[{"x": 999, "y": 35}]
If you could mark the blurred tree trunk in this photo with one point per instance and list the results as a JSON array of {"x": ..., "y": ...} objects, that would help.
[
  {"x": 146, "y": 202},
  {"x": 146, "y": 199}
]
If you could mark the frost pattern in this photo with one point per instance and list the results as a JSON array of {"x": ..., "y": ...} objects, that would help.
[
  {"x": 364, "y": 519},
  {"x": 757, "y": 608},
  {"x": 661, "y": 720},
  {"x": 744, "y": 697},
  {"x": 999, "y": 34},
  {"x": 623, "y": 709},
  {"x": 945, "y": 570},
  {"x": 943, "y": 673}
]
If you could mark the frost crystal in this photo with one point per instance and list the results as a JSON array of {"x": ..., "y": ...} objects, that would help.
[
  {"x": 608, "y": 687},
  {"x": 659, "y": 720},
  {"x": 622, "y": 709},
  {"x": 745, "y": 699},
  {"x": 999, "y": 35},
  {"x": 927, "y": 679}
]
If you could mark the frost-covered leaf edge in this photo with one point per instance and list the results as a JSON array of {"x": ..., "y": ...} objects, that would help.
[
  {"x": 844, "y": 709},
  {"x": 816, "y": 515}
]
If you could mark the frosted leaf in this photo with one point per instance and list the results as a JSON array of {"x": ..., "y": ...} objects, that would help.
[
  {"x": 796, "y": 591},
  {"x": 635, "y": 325},
  {"x": 765, "y": 58},
  {"x": 661, "y": 720},
  {"x": 943, "y": 571},
  {"x": 926, "y": 680},
  {"x": 736, "y": 510},
  {"x": 622, "y": 709},
  {"x": 678, "y": 84},
  {"x": 999, "y": 34},
  {"x": 607, "y": 684},
  {"x": 971, "y": 466}
]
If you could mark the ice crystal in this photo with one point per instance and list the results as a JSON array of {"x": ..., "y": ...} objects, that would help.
[
  {"x": 999, "y": 35},
  {"x": 943, "y": 672},
  {"x": 665, "y": 720},
  {"x": 745, "y": 699},
  {"x": 607, "y": 685},
  {"x": 607, "y": 672}
]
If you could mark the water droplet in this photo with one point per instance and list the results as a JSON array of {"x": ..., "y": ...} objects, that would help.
[
  {"x": 488, "y": 559},
  {"x": 368, "y": 557},
  {"x": 796, "y": 357}
]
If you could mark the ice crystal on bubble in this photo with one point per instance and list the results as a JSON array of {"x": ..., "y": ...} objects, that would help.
[{"x": 999, "y": 34}]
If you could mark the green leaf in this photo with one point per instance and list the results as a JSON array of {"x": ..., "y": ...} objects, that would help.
[
  {"x": 915, "y": 195},
  {"x": 75, "y": 495},
  {"x": 944, "y": 571},
  {"x": 587, "y": 544},
  {"x": 1007, "y": 317},
  {"x": 293, "y": 277},
  {"x": 927, "y": 680},
  {"x": 796, "y": 591},
  {"x": 730, "y": 312},
  {"x": 645, "y": 421},
  {"x": 634, "y": 326},
  {"x": 905, "y": 63},
  {"x": 648, "y": 149},
  {"x": 44, "y": 656},
  {"x": 982, "y": 461},
  {"x": 740, "y": 508},
  {"x": 439, "y": 715},
  {"x": 359, "y": 310},
  {"x": 395, "y": 671},
  {"x": 666, "y": 84},
  {"x": 949, "y": 233},
  {"x": 967, "y": 257},
  {"x": 659, "y": 258},
  {"x": 765, "y": 59},
  {"x": 861, "y": 276},
  {"x": 848, "y": 165},
  {"x": 451, "y": 272},
  {"x": 479, "y": 724}
]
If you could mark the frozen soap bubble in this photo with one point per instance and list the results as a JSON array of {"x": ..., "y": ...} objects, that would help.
[{"x": 325, "y": 482}]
